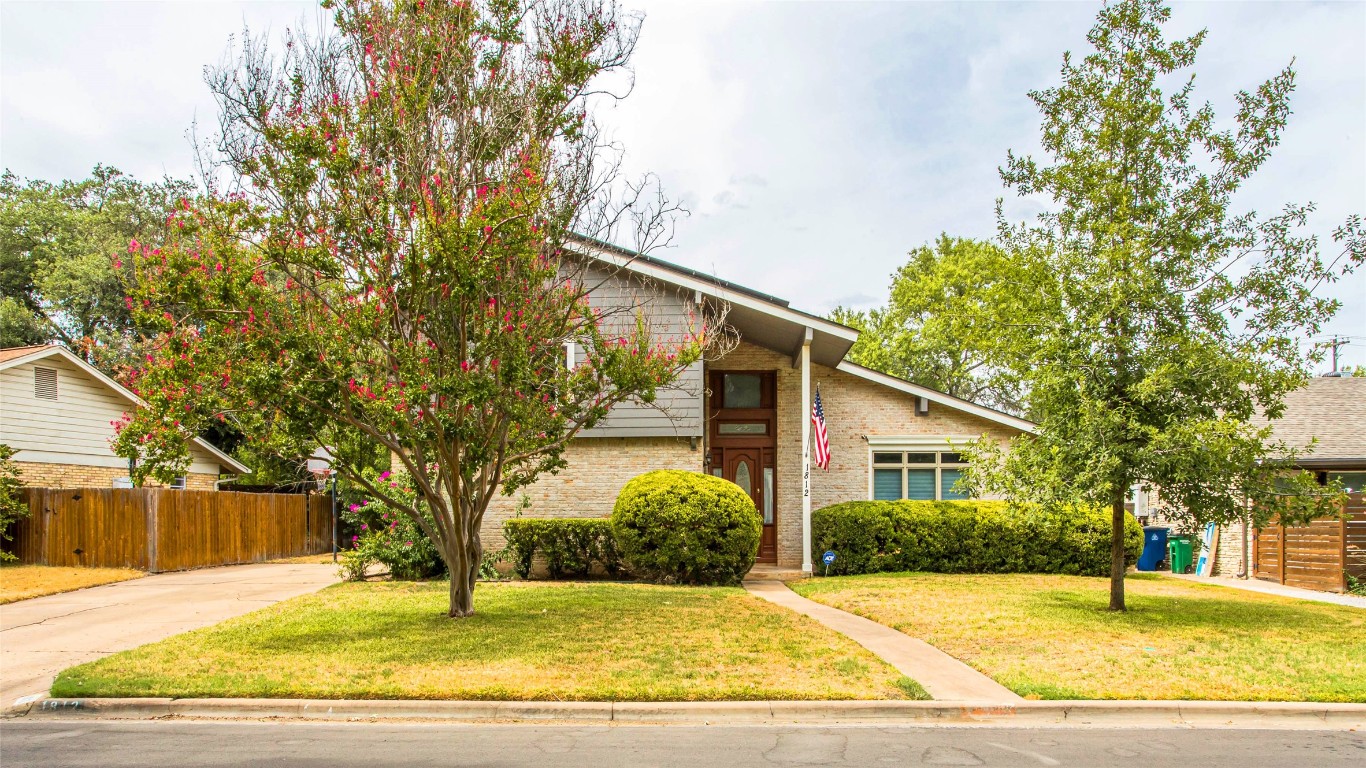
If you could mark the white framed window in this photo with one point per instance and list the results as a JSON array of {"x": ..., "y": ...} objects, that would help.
[
  {"x": 178, "y": 484},
  {"x": 922, "y": 469}
]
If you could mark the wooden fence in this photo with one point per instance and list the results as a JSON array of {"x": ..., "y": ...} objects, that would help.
[
  {"x": 158, "y": 529},
  {"x": 1318, "y": 556}
]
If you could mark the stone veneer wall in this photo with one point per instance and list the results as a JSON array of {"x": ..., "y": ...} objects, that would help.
[
  {"x": 1228, "y": 557},
  {"x": 44, "y": 475},
  {"x": 588, "y": 487},
  {"x": 854, "y": 407}
]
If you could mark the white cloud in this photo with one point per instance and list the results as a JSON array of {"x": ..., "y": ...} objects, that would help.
[{"x": 816, "y": 143}]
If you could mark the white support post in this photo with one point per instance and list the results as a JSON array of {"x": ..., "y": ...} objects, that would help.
[{"x": 806, "y": 452}]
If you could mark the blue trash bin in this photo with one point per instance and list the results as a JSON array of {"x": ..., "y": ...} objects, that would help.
[{"x": 1154, "y": 548}]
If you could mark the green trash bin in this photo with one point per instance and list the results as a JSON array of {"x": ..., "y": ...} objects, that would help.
[{"x": 1180, "y": 553}]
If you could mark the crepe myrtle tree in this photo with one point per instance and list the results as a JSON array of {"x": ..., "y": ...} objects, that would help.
[
  {"x": 392, "y": 265},
  {"x": 1168, "y": 320}
]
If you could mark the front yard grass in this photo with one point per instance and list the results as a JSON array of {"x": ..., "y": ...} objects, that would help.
[
  {"x": 1051, "y": 637},
  {"x": 20, "y": 582},
  {"x": 576, "y": 641}
]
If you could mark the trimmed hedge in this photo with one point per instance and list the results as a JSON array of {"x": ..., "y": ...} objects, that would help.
[
  {"x": 570, "y": 545},
  {"x": 966, "y": 537},
  {"x": 679, "y": 527}
]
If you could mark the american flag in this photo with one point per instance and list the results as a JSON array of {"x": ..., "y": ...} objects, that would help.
[{"x": 822, "y": 439}]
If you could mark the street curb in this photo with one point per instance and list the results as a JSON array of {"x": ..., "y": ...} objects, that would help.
[{"x": 1151, "y": 714}]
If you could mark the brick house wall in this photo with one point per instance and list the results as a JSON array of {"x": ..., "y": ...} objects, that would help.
[
  {"x": 46, "y": 475},
  {"x": 854, "y": 407},
  {"x": 588, "y": 487}
]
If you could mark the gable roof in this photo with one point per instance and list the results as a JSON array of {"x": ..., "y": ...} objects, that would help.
[
  {"x": 761, "y": 318},
  {"x": 15, "y": 356},
  {"x": 1332, "y": 409},
  {"x": 770, "y": 322},
  {"x": 935, "y": 396}
]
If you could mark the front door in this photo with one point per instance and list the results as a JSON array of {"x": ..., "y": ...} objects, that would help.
[
  {"x": 745, "y": 467},
  {"x": 743, "y": 444}
]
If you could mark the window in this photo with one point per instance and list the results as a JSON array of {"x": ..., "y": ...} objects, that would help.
[
  {"x": 178, "y": 484},
  {"x": 916, "y": 475},
  {"x": 45, "y": 383},
  {"x": 742, "y": 390},
  {"x": 1353, "y": 482},
  {"x": 742, "y": 428}
]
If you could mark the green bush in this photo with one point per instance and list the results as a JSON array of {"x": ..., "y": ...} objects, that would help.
[
  {"x": 570, "y": 545},
  {"x": 389, "y": 537},
  {"x": 13, "y": 508},
  {"x": 967, "y": 537},
  {"x": 680, "y": 527}
]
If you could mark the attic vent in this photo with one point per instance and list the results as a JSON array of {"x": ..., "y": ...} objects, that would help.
[{"x": 45, "y": 383}]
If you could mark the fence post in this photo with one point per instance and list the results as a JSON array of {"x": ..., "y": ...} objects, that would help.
[
  {"x": 47, "y": 525},
  {"x": 1283, "y": 553},
  {"x": 149, "y": 510},
  {"x": 1342, "y": 549}
]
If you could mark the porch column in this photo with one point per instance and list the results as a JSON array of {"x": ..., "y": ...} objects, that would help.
[{"x": 806, "y": 451}]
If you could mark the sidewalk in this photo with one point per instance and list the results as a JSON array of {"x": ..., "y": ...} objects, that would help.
[
  {"x": 942, "y": 676},
  {"x": 1272, "y": 588},
  {"x": 44, "y": 635}
]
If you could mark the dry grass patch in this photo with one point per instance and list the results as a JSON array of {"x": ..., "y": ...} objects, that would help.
[
  {"x": 20, "y": 582},
  {"x": 1051, "y": 637},
  {"x": 323, "y": 559},
  {"x": 576, "y": 641}
]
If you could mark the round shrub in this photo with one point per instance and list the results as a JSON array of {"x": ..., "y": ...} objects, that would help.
[{"x": 678, "y": 527}]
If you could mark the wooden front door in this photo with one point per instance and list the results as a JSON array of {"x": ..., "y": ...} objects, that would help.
[{"x": 743, "y": 445}]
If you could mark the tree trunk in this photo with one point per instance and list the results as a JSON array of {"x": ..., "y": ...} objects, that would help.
[
  {"x": 462, "y": 596},
  {"x": 464, "y": 573},
  {"x": 1117, "y": 514}
]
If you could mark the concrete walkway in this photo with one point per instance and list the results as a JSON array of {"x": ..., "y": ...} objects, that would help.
[
  {"x": 943, "y": 677},
  {"x": 44, "y": 635},
  {"x": 1272, "y": 588}
]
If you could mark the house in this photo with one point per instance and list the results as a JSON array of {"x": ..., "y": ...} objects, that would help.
[
  {"x": 57, "y": 411},
  {"x": 746, "y": 416},
  {"x": 1330, "y": 409}
]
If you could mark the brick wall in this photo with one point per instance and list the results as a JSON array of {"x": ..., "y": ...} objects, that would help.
[
  {"x": 854, "y": 408},
  {"x": 44, "y": 475},
  {"x": 588, "y": 487}
]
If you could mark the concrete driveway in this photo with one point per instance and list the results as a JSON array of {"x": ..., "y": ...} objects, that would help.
[{"x": 42, "y": 636}]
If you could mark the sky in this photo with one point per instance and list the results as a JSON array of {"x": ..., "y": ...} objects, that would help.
[{"x": 814, "y": 143}]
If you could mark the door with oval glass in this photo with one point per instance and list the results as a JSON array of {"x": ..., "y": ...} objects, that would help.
[{"x": 752, "y": 469}]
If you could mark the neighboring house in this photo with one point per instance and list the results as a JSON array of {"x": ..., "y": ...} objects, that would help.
[
  {"x": 1331, "y": 410},
  {"x": 58, "y": 412},
  {"x": 746, "y": 416}
]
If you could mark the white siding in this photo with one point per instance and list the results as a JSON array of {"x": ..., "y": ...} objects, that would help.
[{"x": 73, "y": 429}]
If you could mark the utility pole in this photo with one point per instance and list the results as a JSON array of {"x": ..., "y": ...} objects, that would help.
[{"x": 1335, "y": 343}]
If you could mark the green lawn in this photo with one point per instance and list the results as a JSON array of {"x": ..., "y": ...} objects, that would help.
[
  {"x": 586, "y": 642},
  {"x": 1050, "y": 636}
]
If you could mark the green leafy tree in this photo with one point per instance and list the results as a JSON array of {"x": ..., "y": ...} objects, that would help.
[
  {"x": 12, "y": 505},
  {"x": 394, "y": 265},
  {"x": 60, "y": 278},
  {"x": 1167, "y": 320},
  {"x": 947, "y": 308}
]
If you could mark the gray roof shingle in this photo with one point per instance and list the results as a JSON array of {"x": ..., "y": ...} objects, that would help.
[{"x": 1331, "y": 409}]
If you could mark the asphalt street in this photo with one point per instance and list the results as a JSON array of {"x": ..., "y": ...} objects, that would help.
[{"x": 112, "y": 744}]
